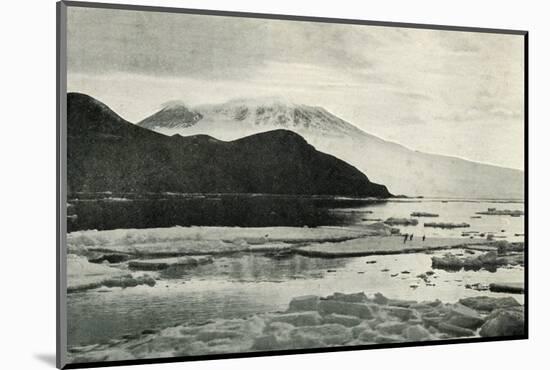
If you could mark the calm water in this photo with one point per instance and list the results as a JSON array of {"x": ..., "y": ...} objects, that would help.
[
  {"x": 119, "y": 211},
  {"x": 251, "y": 283},
  {"x": 239, "y": 286},
  {"x": 504, "y": 227}
]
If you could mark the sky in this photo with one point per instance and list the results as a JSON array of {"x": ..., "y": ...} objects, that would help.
[{"x": 454, "y": 93}]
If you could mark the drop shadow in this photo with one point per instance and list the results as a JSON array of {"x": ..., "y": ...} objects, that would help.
[{"x": 46, "y": 358}]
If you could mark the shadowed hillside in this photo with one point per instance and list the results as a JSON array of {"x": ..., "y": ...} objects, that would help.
[{"x": 107, "y": 153}]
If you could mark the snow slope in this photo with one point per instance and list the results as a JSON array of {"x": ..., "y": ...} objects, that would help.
[{"x": 403, "y": 170}]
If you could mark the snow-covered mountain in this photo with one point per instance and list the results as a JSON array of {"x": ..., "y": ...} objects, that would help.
[
  {"x": 403, "y": 170},
  {"x": 172, "y": 115},
  {"x": 243, "y": 117}
]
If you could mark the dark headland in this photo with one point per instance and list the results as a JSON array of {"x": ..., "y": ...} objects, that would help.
[{"x": 108, "y": 153}]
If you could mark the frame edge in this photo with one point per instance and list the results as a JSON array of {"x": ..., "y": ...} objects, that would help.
[
  {"x": 61, "y": 119},
  {"x": 61, "y": 161},
  {"x": 290, "y": 17}
]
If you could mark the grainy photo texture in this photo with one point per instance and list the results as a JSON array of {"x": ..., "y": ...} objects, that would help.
[{"x": 242, "y": 185}]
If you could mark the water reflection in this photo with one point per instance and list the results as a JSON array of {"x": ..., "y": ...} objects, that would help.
[
  {"x": 242, "y": 285},
  {"x": 258, "y": 268},
  {"x": 123, "y": 211}
]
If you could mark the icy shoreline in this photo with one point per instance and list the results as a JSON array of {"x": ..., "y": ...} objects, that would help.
[
  {"x": 315, "y": 322},
  {"x": 111, "y": 258},
  {"x": 83, "y": 275},
  {"x": 127, "y": 258},
  {"x": 374, "y": 245},
  {"x": 178, "y": 240}
]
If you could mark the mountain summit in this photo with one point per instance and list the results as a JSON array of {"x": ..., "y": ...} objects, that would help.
[
  {"x": 107, "y": 153},
  {"x": 172, "y": 115},
  {"x": 242, "y": 117},
  {"x": 403, "y": 170}
]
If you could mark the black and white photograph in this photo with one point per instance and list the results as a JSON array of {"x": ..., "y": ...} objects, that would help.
[
  {"x": 290, "y": 184},
  {"x": 242, "y": 184}
]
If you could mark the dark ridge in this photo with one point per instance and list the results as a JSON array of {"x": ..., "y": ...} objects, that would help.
[
  {"x": 107, "y": 153},
  {"x": 200, "y": 138},
  {"x": 272, "y": 138},
  {"x": 86, "y": 115}
]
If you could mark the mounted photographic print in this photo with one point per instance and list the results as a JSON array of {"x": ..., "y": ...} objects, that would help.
[{"x": 237, "y": 184}]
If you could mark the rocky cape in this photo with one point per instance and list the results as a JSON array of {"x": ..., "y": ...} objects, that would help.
[{"x": 107, "y": 153}]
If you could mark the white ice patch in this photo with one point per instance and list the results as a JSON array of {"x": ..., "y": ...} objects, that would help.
[{"x": 210, "y": 239}]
